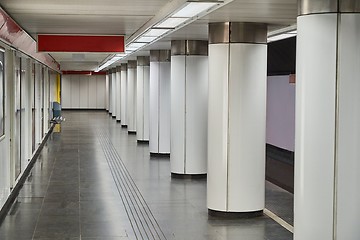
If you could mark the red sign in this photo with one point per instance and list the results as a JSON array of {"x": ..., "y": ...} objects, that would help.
[{"x": 80, "y": 43}]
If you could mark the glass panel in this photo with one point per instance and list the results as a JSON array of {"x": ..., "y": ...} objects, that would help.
[
  {"x": 42, "y": 101},
  {"x": 24, "y": 110},
  {"x": 33, "y": 105},
  {"x": 17, "y": 119},
  {"x": 2, "y": 94}
]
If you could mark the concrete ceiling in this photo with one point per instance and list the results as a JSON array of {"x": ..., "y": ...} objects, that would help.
[{"x": 126, "y": 16}]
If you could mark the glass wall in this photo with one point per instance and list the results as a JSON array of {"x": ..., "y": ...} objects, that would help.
[{"x": 2, "y": 94}]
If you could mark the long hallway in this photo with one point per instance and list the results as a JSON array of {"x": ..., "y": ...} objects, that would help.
[{"x": 94, "y": 181}]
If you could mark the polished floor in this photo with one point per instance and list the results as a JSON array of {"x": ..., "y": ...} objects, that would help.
[{"x": 93, "y": 181}]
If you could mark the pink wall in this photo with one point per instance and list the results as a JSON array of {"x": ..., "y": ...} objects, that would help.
[{"x": 280, "y": 112}]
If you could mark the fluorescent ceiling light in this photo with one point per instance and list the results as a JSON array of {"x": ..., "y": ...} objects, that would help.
[
  {"x": 135, "y": 45},
  {"x": 156, "y": 32},
  {"x": 193, "y": 8},
  {"x": 146, "y": 39},
  {"x": 280, "y": 37},
  {"x": 171, "y": 22}
]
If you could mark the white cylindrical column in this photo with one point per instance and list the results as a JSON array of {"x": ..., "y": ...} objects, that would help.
[
  {"x": 159, "y": 142},
  {"x": 123, "y": 100},
  {"x": 327, "y": 166},
  {"x": 189, "y": 98},
  {"x": 107, "y": 91},
  {"x": 110, "y": 92},
  {"x": 113, "y": 92},
  {"x": 237, "y": 118},
  {"x": 118, "y": 93},
  {"x": 142, "y": 102},
  {"x": 131, "y": 96}
]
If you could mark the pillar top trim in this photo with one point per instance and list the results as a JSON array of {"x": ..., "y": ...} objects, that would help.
[
  {"x": 307, "y": 7},
  {"x": 237, "y": 32},
  {"x": 118, "y": 68},
  {"x": 143, "y": 60},
  {"x": 189, "y": 47},
  {"x": 123, "y": 66},
  {"x": 132, "y": 64},
  {"x": 160, "y": 55}
]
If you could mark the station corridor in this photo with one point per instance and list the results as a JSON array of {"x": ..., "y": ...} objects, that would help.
[{"x": 94, "y": 181}]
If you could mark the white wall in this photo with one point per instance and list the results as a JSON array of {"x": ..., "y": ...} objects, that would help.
[
  {"x": 280, "y": 112},
  {"x": 83, "y": 92}
]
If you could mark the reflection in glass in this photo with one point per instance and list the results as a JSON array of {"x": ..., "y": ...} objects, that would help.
[
  {"x": 17, "y": 119},
  {"x": 2, "y": 94}
]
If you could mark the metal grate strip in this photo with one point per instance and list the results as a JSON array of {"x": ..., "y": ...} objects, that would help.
[{"x": 140, "y": 216}]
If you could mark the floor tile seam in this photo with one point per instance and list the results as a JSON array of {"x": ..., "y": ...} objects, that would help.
[
  {"x": 117, "y": 185},
  {"x": 43, "y": 201},
  {"x": 152, "y": 219}
]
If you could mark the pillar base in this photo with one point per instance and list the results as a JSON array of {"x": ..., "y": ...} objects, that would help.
[
  {"x": 110, "y": 113},
  {"x": 160, "y": 154},
  {"x": 233, "y": 215},
  {"x": 118, "y": 121},
  {"x": 143, "y": 141},
  {"x": 113, "y": 116},
  {"x": 188, "y": 176},
  {"x": 124, "y": 126},
  {"x": 132, "y": 132}
]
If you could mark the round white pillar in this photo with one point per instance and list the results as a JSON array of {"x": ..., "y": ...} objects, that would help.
[
  {"x": 327, "y": 166},
  {"x": 113, "y": 92},
  {"x": 131, "y": 97},
  {"x": 118, "y": 93},
  {"x": 110, "y": 91},
  {"x": 142, "y": 102},
  {"x": 237, "y": 118},
  {"x": 107, "y": 91},
  {"x": 189, "y": 97},
  {"x": 159, "y": 141},
  {"x": 123, "y": 101}
]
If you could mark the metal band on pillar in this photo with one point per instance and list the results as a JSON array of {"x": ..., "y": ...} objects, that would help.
[
  {"x": 143, "y": 61},
  {"x": 189, "y": 47},
  {"x": 123, "y": 67},
  {"x": 237, "y": 119},
  {"x": 118, "y": 68},
  {"x": 189, "y": 97},
  {"x": 131, "y": 64},
  {"x": 307, "y": 7},
  {"x": 160, "y": 55}
]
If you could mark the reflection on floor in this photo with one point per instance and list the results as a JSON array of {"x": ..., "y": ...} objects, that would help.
[{"x": 93, "y": 181}]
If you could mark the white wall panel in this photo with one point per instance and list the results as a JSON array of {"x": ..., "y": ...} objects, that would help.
[
  {"x": 280, "y": 112},
  {"x": 315, "y": 126},
  {"x": 107, "y": 92},
  {"x": 75, "y": 91},
  {"x": 247, "y": 122},
  {"x": 66, "y": 91},
  {"x": 146, "y": 102},
  {"x": 217, "y": 126},
  {"x": 178, "y": 94},
  {"x": 92, "y": 92},
  {"x": 154, "y": 109},
  {"x": 84, "y": 91},
  {"x": 164, "y": 107},
  {"x": 113, "y": 94}
]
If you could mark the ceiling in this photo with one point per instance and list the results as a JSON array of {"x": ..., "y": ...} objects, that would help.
[{"x": 125, "y": 17}]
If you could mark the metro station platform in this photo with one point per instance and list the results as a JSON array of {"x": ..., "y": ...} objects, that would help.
[{"x": 93, "y": 181}]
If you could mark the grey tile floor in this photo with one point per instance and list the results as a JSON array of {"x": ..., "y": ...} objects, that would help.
[{"x": 93, "y": 181}]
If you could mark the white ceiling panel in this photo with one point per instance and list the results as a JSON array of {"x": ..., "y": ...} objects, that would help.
[{"x": 126, "y": 16}]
